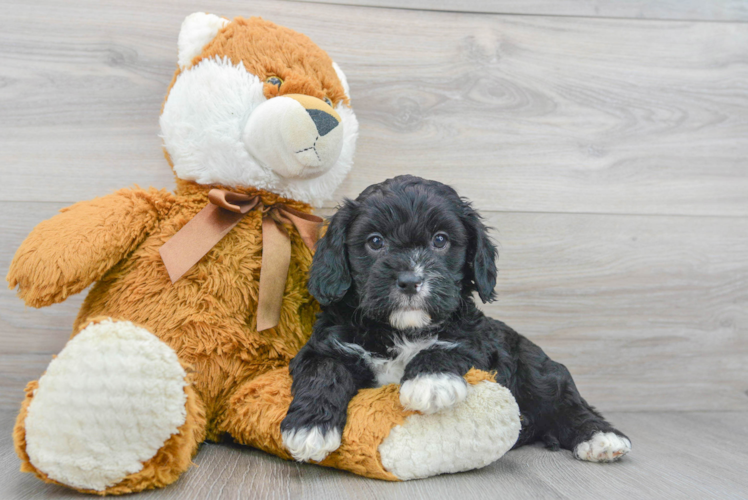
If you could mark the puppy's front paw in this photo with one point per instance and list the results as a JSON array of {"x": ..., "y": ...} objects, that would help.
[
  {"x": 311, "y": 443},
  {"x": 603, "y": 447},
  {"x": 433, "y": 392}
]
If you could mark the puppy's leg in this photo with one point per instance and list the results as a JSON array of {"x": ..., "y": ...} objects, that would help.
[
  {"x": 583, "y": 429},
  {"x": 322, "y": 388},
  {"x": 433, "y": 380},
  {"x": 553, "y": 409}
]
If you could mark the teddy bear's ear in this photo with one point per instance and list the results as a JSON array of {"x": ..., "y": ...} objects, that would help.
[
  {"x": 197, "y": 31},
  {"x": 342, "y": 78}
]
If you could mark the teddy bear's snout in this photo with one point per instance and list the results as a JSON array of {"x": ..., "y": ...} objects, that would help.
[{"x": 294, "y": 135}]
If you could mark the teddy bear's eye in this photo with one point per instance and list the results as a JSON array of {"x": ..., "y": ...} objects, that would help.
[
  {"x": 328, "y": 101},
  {"x": 274, "y": 80}
]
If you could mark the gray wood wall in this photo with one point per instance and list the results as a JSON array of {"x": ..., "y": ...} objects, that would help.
[{"x": 606, "y": 141}]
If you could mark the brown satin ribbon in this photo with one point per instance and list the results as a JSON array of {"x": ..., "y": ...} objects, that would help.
[{"x": 213, "y": 222}]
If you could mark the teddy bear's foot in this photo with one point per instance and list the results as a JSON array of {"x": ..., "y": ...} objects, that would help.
[
  {"x": 471, "y": 434},
  {"x": 381, "y": 439},
  {"x": 112, "y": 414}
]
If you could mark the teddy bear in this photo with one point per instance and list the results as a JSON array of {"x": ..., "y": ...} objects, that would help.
[{"x": 198, "y": 299}]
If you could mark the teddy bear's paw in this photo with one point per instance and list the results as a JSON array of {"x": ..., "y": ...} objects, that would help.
[
  {"x": 603, "y": 447},
  {"x": 106, "y": 404},
  {"x": 433, "y": 392},
  {"x": 311, "y": 443},
  {"x": 468, "y": 435}
]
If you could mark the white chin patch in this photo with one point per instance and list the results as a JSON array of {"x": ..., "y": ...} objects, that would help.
[
  {"x": 404, "y": 319},
  {"x": 603, "y": 447},
  {"x": 311, "y": 444},
  {"x": 106, "y": 405},
  {"x": 432, "y": 393}
]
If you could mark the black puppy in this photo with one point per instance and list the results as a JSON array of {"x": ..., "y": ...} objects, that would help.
[{"x": 395, "y": 275}]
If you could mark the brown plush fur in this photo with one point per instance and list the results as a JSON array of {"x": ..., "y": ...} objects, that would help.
[
  {"x": 240, "y": 384},
  {"x": 276, "y": 51},
  {"x": 207, "y": 317}
]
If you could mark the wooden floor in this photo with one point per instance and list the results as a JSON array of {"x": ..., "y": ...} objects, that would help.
[
  {"x": 691, "y": 455},
  {"x": 606, "y": 141}
]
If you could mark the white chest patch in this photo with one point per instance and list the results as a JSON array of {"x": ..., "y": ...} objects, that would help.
[{"x": 390, "y": 370}]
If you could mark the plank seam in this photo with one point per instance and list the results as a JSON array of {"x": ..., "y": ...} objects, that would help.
[{"x": 517, "y": 14}]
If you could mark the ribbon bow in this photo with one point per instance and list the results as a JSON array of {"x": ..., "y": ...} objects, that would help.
[{"x": 213, "y": 222}]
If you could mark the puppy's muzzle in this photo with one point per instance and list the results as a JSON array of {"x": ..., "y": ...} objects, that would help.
[{"x": 294, "y": 135}]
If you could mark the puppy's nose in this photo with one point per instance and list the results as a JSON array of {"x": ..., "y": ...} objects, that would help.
[
  {"x": 324, "y": 121},
  {"x": 409, "y": 282}
]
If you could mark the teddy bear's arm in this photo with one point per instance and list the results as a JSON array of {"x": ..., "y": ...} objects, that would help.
[{"x": 65, "y": 254}]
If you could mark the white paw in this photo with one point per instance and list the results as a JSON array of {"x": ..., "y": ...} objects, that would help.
[
  {"x": 431, "y": 393},
  {"x": 311, "y": 444},
  {"x": 603, "y": 447}
]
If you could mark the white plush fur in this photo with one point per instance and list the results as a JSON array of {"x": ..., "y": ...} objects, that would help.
[
  {"x": 603, "y": 447},
  {"x": 197, "y": 30},
  {"x": 433, "y": 392},
  {"x": 484, "y": 426},
  {"x": 202, "y": 127},
  {"x": 343, "y": 79},
  {"x": 282, "y": 137},
  {"x": 106, "y": 404},
  {"x": 311, "y": 444},
  {"x": 403, "y": 319}
]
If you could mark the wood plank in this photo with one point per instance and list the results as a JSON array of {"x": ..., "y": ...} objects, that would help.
[
  {"x": 522, "y": 113},
  {"x": 709, "y": 464},
  {"x": 695, "y": 10},
  {"x": 648, "y": 312}
]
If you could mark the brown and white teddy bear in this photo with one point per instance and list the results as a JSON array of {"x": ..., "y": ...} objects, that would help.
[{"x": 199, "y": 296}]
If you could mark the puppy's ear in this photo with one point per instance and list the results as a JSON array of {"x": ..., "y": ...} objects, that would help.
[
  {"x": 481, "y": 254},
  {"x": 330, "y": 275}
]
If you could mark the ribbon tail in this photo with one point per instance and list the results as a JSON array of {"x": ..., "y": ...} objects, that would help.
[
  {"x": 276, "y": 258},
  {"x": 307, "y": 225}
]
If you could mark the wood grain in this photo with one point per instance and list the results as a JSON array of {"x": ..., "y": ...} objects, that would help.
[
  {"x": 709, "y": 464},
  {"x": 522, "y": 113},
  {"x": 648, "y": 313},
  {"x": 609, "y": 154},
  {"x": 712, "y": 10}
]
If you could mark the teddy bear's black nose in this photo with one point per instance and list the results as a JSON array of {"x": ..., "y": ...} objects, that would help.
[
  {"x": 324, "y": 122},
  {"x": 409, "y": 282}
]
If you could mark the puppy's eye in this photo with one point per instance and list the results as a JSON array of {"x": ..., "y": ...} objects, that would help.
[
  {"x": 375, "y": 242},
  {"x": 440, "y": 240},
  {"x": 274, "y": 80},
  {"x": 328, "y": 101}
]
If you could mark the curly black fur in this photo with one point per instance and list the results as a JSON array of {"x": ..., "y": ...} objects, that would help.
[{"x": 357, "y": 286}]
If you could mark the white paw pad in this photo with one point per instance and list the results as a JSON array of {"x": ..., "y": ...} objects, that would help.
[
  {"x": 311, "y": 444},
  {"x": 431, "y": 393},
  {"x": 603, "y": 447},
  {"x": 106, "y": 405}
]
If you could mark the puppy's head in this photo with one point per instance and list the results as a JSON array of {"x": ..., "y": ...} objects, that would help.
[{"x": 406, "y": 251}]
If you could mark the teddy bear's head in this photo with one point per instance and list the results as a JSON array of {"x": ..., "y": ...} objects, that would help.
[{"x": 253, "y": 104}]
